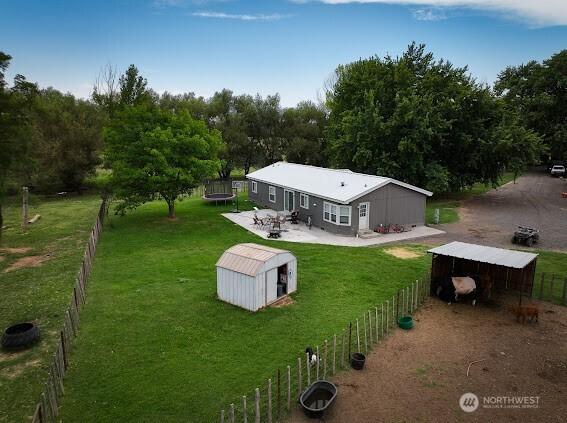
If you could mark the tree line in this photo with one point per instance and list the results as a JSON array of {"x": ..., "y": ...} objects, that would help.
[{"x": 412, "y": 117}]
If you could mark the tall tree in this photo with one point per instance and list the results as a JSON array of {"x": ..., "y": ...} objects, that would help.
[
  {"x": 417, "y": 119},
  {"x": 132, "y": 87},
  {"x": 157, "y": 153},
  {"x": 303, "y": 131},
  {"x": 537, "y": 92}
]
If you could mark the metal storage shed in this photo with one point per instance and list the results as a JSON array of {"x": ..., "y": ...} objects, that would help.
[
  {"x": 507, "y": 269},
  {"x": 253, "y": 276}
]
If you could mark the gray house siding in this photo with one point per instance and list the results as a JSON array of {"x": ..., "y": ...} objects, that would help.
[
  {"x": 388, "y": 204},
  {"x": 393, "y": 204}
]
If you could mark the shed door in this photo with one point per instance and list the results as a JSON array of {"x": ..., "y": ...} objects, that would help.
[
  {"x": 271, "y": 285},
  {"x": 363, "y": 212}
]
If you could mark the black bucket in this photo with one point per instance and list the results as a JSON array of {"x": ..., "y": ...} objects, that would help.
[
  {"x": 357, "y": 361},
  {"x": 317, "y": 398}
]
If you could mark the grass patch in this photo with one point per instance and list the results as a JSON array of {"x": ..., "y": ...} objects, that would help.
[
  {"x": 39, "y": 294},
  {"x": 554, "y": 265},
  {"x": 448, "y": 203},
  {"x": 157, "y": 345}
]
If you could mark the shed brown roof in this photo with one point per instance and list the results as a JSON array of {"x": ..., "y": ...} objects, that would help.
[{"x": 247, "y": 258}]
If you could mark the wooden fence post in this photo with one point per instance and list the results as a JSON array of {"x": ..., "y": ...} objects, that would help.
[
  {"x": 325, "y": 360},
  {"x": 382, "y": 321},
  {"x": 308, "y": 365},
  {"x": 357, "y": 337},
  {"x": 541, "y": 286},
  {"x": 551, "y": 286},
  {"x": 318, "y": 362},
  {"x": 343, "y": 350},
  {"x": 288, "y": 388},
  {"x": 232, "y": 413},
  {"x": 269, "y": 400},
  {"x": 565, "y": 292},
  {"x": 376, "y": 320},
  {"x": 222, "y": 416},
  {"x": 365, "y": 336},
  {"x": 369, "y": 328},
  {"x": 244, "y": 410},
  {"x": 278, "y": 397},
  {"x": 334, "y": 353},
  {"x": 257, "y": 406},
  {"x": 387, "y": 316},
  {"x": 299, "y": 377},
  {"x": 25, "y": 208}
]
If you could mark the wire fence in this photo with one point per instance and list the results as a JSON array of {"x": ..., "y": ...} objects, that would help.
[
  {"x": 273, "y": 399},
  {"x": 550, "y": 287},
  {"x": 47, "y": 409}
]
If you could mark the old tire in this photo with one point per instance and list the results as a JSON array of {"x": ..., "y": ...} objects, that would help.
[{"x": 22, "y": 335}]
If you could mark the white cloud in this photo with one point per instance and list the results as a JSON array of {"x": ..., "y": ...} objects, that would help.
[
  {"x": 534, "y": 12},
  {"x": 429, "y": 14},
  {"x": 241, "y": 17}
]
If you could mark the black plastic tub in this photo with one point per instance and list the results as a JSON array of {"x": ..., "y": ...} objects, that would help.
[
  {"x": 357, "y": 361},
  {"x": 317, "y": 398}
]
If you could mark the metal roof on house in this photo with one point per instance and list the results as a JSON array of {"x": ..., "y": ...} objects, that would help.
[
  {"x": 247, "y": 258},
  {"x": 340, "y": 185},
  {"x": 481, "y": 253}
]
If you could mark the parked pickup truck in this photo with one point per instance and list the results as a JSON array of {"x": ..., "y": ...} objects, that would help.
[{"x": 558, "y": 170}]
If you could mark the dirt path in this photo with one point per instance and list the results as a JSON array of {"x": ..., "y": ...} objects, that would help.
[
  {"x": 534, "y": 200},
  {"x": 419, "y": 375}
]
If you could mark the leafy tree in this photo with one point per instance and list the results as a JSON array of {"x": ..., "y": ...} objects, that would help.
[
  {"x": 303, "y": 131},
  {"x": 132, "y": 87},
  {"x": 158, "y": 153},
  {"x": 537, "y": 92},
  {"x": 67, "y": 141},
  {"x": 420, "y": 120},
  {"x": 112, "y": 92},
  {"x": 14, "y": 125}
]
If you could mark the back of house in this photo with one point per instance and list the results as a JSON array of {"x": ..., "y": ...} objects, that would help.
[{"x": 337, "y": 200}]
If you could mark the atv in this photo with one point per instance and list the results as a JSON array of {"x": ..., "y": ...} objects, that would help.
[{"x": 525, "y": 235}]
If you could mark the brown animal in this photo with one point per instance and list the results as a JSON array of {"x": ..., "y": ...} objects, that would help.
[{"x": 523, "y": 312}]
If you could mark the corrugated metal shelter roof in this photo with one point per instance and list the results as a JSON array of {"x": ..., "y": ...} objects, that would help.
[
  {"x": 339, "y": 185},
  {"x": 481, "y": 253},
  {"x": 247, "y": 258}
]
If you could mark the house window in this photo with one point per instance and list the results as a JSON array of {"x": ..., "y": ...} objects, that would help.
[
  {"x": 272, "y": 194},
  {"x": 338, "y": 215},
  {"x": 255, "y": 187},
  {"x": 344, "y": 215},
  {"x": 304, "y": 201}
]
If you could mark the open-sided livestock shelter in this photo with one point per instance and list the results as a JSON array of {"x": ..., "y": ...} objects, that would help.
[
  {"x": 253, "y": 276},
  {"x": 504, "y": 269}
]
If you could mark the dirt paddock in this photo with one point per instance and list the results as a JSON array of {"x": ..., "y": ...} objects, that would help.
[{"x": 420, "y": 375}]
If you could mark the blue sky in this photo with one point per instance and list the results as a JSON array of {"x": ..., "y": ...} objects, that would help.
[{"x": 285, "y": 46}]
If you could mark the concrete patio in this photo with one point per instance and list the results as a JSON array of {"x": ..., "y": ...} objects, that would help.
[{"x": 301, "y": 233}]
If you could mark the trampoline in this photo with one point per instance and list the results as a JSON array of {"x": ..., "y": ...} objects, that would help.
[{"x": 219, "y": 197}]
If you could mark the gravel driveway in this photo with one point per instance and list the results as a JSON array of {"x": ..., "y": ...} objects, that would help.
[{"x": 534, "y": 200}]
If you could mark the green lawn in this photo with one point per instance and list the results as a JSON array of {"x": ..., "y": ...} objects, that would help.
[
  {"x": 448, "y": 203},
  {"x": 157, "y": 345},
  {"x": 39, "y": 294}
]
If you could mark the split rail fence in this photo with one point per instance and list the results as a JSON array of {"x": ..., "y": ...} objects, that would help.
[
  {"x": 273, "y": 400},
  {"x": 47, "y": 408}
]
